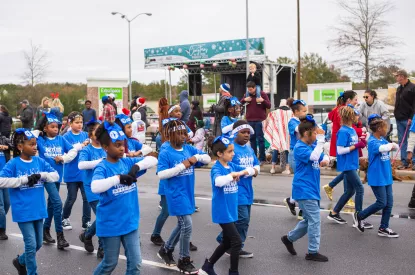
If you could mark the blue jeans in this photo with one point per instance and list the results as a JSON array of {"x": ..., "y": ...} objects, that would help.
[
  {"x": 353, "y": 185},
  {"x": 163, "y": 216},
  {"x": 92, "y": 230},
  {"x": 158, "y": 142},
  {"x": 242, "y": 224},
  {"x": 4, "y": 206},
  {"x": 337, "y": 180},
  {"x": 257, "y": 93},
  {"x": 259, "y": 134},
  {"x": 401, "y": 126},
  {"x": 291, "y": 160},
  {"x": 309, "y": 225},
  {"x": 182, "y": 233},
  {"x": 33, "y": 237},
  {"x": 54, "y": 206},
  {"x": 131, "y": 244},
  {"x": 71, "y": 198},
  {"x": 384, "y": 202}
]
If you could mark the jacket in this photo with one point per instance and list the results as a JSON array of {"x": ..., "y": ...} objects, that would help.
[
  {"x": 254, "y": 111},
  {"x": 219, "y": 110},
  {"x": 196, "y": 114},
  {"x": 256, "y": 78},
  {"x": 405, "y": 102},
  {"x": 143, "y": 111},
  {"x": 185, "y": 106},
  {"x": 378, "y": 107},
  {"x": 275, "y": 128},
  {"x": 6, "y": 122},
  {"x": 26, "y": 117}
]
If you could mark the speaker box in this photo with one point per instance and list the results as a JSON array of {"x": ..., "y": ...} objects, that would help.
[{"x": 195, "y": 84}]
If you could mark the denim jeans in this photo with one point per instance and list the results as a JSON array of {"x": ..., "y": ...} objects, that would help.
[
  {"x": 259, "y": 134},
  {"x": 163, "y": 216},
  {"x": 291, "y": 160},
  {"x": 33, "y": 237},
  {"x": 384, "y": 202},
  {"x": 182, "y": 233},
  {"x": 131, "y": 244},
  {"x": 54, "y": 206},
  {"x": 4, "y": 206},
  {"x": 401, "y": 126},
  {"x": 71, "y": 198},
  {"x": 158, "y": 142},
  {"x": 242, "y": 224},
  {"x": 92, "y": 230},
  {"x": 337, "y": 180},
  {"x": 309, "y": 225},
  {"x": 353, "y": 185}
]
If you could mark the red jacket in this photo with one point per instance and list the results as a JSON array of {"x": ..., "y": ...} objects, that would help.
[{"x": 257, "y": 112}]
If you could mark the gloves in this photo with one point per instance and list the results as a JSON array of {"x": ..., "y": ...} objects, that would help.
[
  {"x": 127, "y": 179},
  {"x": 147, "y": 162},
  {"x": 78, "y": 146},
  {"x": 33, "y": 179},
  {"x": 321, "y": 138},
  {"x": 361, "y": 144},
  {"x": 395, "y": 146},
  {"x": 134, "y": 170}
]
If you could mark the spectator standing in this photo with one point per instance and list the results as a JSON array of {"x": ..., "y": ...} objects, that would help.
[
  {"x": 57, "y": 109},
  {"x": 111, "y": 97},
  {"x": 26, "y": 115},
  {"x": 373, "y": 106},
  {"x": 142, "y": 109},
  {"x": 6, "y": 122},
  {"x": 108, "y": 113},
  {"x": 185, "y": 106},
  {"x": 43, "y": 107},
  {"x": 89, "y": 114},
  {"x": 139, "y": 128},
  {"x": 255, "y": 114},
  {"x": 195, "y": 115},
  {"x": 219, "y": 108}
]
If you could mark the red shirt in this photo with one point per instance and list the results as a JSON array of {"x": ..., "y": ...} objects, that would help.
[{"x": 108, "y": 113}]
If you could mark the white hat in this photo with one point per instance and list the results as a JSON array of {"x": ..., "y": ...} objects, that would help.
[{"x": 111, "y": 96}]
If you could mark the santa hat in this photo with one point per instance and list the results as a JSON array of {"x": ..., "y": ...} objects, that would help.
[
  {"x": 125, "y": 111},
  {"x": 141, "y": 100}
]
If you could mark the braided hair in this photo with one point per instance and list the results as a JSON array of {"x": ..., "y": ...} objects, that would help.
[
  {"x": 17, "y": 138},
  {"x": 172, "y": 129}
]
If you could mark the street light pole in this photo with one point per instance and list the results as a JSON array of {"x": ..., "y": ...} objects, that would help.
[
  {"x": 299, "y": 52},
  {"x": 247, "y": 40}
]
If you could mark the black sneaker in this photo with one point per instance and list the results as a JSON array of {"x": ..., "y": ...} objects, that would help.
[
  {"x": 290, "y": 206},
  {"x": 245, "y": 254},
  {"x": 358, "y": 222},
  {"x": 88, "y": 245},
  {"x": 166, "y": 256},
  {"x": 157, "y": 240},
  {"x": 317, "y": 257},
  {"x": 411, "y": 204},
  {"x": 197, "y": 208},
  {"x": 186, "y": 266},
  {"x": 62, "y": 243},
  {"x": 289, "y": 245},
  {"x": 21, "y": 269},
  {"x": 100, "y": 253},
  {"x": 3, "y": 235},
  {"x": 47, "y": 238},
  {"x": 336, "y": 218},
  {"x": 207, "y": 269},
  {"x": 387, "y": 232},
  {"x": 367, "y": 225},
  {"x": 192, "y": 247}
]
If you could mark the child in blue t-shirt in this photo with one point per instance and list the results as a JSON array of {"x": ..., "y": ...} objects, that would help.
[
  {"x": 5, "y": 145},
  {"x": 25, "y": 175},
  {"x": 89, "y": 158},
  {"x": 72, "y": 176},
  {"x": 175, "y": 112},
  {"x": 115, "y": 181},
  {"x": 225, "y": 175},
  {"x": 379, "y": 175},
  {"x": 348, "y": 162},
  {"x": 232, "y": 112},
  {"x": 306, "y": 188},
  {"x": 411, "y": 145},
  {"x": 175, "y": 165},
  {"x": 56, "y": 151}
]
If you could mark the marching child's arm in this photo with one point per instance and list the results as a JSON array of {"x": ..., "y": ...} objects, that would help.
[
  {"x": 318, "y": 150},
  {"x": 102, "y": 185},
  {"x": 49, "y": 176},
  {"x": 221, "y": 181},
  {"x": 13, "y": 182},
  {"x": 388, "y": 147},
  {"x": 145, "y": 150},
  {"x": 88, "y": 165}
]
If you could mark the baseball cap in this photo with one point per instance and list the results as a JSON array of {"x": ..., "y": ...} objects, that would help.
[
  {"x": 111, "y": 96},
  {"x": 401, "y": 72},
  {"x": 25, "y": 102}
]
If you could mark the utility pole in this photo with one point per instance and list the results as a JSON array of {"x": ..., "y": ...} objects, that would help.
[{"x": 299, "y": 52}]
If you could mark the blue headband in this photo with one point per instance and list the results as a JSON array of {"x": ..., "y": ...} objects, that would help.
[
  {"x": 234, "y": 101},
  {"x": 125, "y": 120},
  {"x": 356, "y": 112},
  {"x": 224, "y": 139},
  {"x": 51, "y": 118},
  {"x": 310, "y": 118},
  {"x": 341, "y": 94},
  {"x": 29, "y": 135},
  {"x": 242, "y": 127},
  {"x": 373, "y": 117},
  {"x": 167, "y": 120},
  {"x": 93, "y": 121},
  {"x": 114, "y": 131},
  {"x": 299, "y": 101}
]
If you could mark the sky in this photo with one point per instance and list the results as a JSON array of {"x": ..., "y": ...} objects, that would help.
[{"x": 84, "y": 40}]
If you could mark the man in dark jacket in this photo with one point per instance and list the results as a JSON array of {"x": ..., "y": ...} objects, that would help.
[
  {"x": 26, "y": 115},
  {"x": 6, "y": 122},
  {"x": 142, "y": 109},
  {"x": 219, "y": 109},
  {"x": 185, "y": 106}
]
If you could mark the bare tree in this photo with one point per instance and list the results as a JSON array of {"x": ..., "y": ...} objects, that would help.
[
  {"x": 37, "y": 63},
  {"x": 362, "y": 42}
]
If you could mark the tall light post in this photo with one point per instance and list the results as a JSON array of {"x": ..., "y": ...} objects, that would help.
[
  {"x": 247, "y": 40},
  {"x": 298, "y": 52},
  {"x": 129, "y": 47}
]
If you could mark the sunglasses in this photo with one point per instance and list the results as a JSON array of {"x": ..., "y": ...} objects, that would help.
[{"x": 365, "y": 97}]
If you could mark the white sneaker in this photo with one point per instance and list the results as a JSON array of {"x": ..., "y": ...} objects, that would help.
[
  {"x": 272, "y": 171},
  {"x": 286, "y": 172},
  {"x": 88, "y": 224},
  {"x": 66, "y": 224}
]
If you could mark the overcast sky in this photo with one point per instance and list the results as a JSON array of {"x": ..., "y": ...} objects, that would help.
[{"x": 84, "y": 40}]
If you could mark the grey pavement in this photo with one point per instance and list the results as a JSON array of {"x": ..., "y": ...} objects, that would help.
[{"x": 349, "y": 251}]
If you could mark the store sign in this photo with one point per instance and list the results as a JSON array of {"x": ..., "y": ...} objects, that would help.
[{"x": 117, "y": 92}]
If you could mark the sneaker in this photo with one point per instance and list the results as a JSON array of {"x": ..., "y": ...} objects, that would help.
[
  {"x": 160, "y": 205},
  {"x": 350, "y": 204},
  {"x": 88, "y": 245},
  {"x": 166, "y": 256},
  {"x": 86, "y": 226},
  {"x": 286, "y": 172},
  {"x": 197, "y": 209},
  {"x": 245, "y": 254},
  {"x": 411, "y": 205},
  {"x": 3, "y": 235},
  {"x": 272, "y": 171},
  {"x": 207, "y": 269},
  {"x": 300, "y": 215},
  {"x": 100, "y": 253},
  {"x": 66, "y": 224},
  {"x": 317, "y": 257},
  {"x": 290, "y": 206},
  {"x": 367, "y": 225},
  {"x": 336, "y": 218},
  {"x": 289, "y": 245},
  {"x": 358, "y": 223},
  {"x": 186, "y": 266},
  {"x": 47, "y": 238},
  {"x": 157, "y": 240},
  {"x": 62, "y": 243},
  {"x": 21, "y": 269},
  {"x": 192, "y": 247},
  {"x": 329, "y": 192},
  {"x": 387, "y": 232}
]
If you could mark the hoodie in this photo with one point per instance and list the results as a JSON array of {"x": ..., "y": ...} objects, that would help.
[
  {"x": 5, "y": 124},
  {"x": 185, "y": 106},
  {"x": 139, "y": 128}
]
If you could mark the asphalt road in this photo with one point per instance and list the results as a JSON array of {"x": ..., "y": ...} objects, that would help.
[{"x": 349, "y": 251}]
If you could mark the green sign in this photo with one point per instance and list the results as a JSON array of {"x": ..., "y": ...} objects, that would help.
[
  {"x": 316, "y": 95},
  {"x": 328, "y": 95},
  {"x": 106, "y": 91},
  {"x": 219, "y": 50}
]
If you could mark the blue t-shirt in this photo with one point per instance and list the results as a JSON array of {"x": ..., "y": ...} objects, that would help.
[
  {"x": 292, "y": 124},
  {"x": 225, "y": 198},
  {"x": 71, "y": 173},
  {"x": 2, "y": 160},
  {"x": 306, "y": 181},
  {"x": 118, "y": 210},
  {"x": 133, "y": 145},
  {"x": 163, "y": 182},
  {"x": 379, "y": 172},
  {"x": 28, "y": 203},
  {"x": 179, "y": 190},
  {"x": 227, "y": 120},
  {"x": 245, "y": 157},
  {"x": 90, "y": 153},
  {"x": 49, "y": 148},
  {"x": 347, "y": 137}
]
